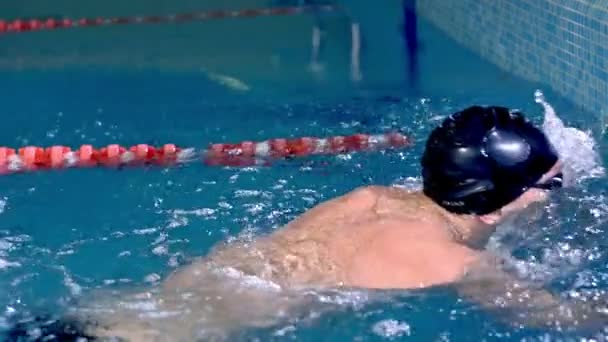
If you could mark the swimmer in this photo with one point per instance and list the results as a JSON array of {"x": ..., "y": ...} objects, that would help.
[{"x": 480, "y": 167}]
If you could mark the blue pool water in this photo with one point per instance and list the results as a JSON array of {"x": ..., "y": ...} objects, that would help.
[{"x": 65, "y": 234}]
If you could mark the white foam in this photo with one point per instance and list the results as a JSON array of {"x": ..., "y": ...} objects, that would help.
[
  {"x": 224, "y": 205},
  {"x": 576, "y": 148},
  {"x": 282, "y": 332},
  {"x": 160, "y": 250},
  {"x": 152, "y": 278},
  {"x": 352, "y": 298},
  {"x": 69, "y": 282},
  {"x": 392, "y": 328},
  {"x": 248, "y": 280},
  {"x": 6, "y": 264},
  {"x": 177, "y": 221},
  {"x": 563, "y": 254},
  {"x": 254, "y": 208},
  {"x": 410, "y": 184},
  {"x": 5, "y": 246},
  {"x": 3, "y": 204},
  {"x": 162, "y": 237},
  {"x": 247, "y": 193},
  {"x": 196, "y": 212},
  {"x": 145, "y": 231},
  {"x": 173, "y": 262}
]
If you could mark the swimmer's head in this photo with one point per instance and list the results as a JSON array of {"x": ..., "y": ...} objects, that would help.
[{"x": 483, "y": 159}]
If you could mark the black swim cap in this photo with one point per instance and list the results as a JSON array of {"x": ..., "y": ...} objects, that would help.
[{"x": 482, "y": 158}]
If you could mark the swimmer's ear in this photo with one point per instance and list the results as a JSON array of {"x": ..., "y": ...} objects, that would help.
[{"x": 492, "y": 218}]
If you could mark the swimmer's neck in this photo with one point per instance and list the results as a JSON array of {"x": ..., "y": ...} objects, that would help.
[{"x": 466, "y": 229}]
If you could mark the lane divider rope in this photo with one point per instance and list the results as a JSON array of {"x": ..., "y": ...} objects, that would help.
[
  {"x": 37, "y": 24},
  {"x": 246, "y": 153}
]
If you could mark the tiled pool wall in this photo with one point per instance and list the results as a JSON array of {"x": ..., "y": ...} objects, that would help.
[{"x": 560, "y": 43}]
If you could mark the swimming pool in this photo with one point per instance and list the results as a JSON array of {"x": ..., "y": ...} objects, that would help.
[{"x": 65, "y": 234}]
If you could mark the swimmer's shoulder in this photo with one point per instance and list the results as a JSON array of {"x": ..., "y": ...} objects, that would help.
[
  {"x": 361, "y": 197},
  {"x": 373, "y": 192},
  {"x": 372, "y": 197},
  {"x": 369, "y": 194},
  {"x": 368, "y": 191},
  {"x": 353, "y": 203}
]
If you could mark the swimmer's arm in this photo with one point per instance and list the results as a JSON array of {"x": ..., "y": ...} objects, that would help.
[{"x": 526, "y": 304}]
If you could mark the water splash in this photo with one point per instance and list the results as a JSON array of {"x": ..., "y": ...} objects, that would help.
[
  {"x": 391, "y": 329},
  {"x": 74, "y": 288},
  {"x": 8, "y": 244},
  {"x": 576, "y": 149}
]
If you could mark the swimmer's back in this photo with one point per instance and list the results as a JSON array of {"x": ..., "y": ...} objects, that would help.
[
  {"x": 371, "y": 237},
  {"x": 384, "y": 237}
]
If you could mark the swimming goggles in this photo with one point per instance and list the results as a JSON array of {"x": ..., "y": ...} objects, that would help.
[{"x": 556, "y": 182}]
